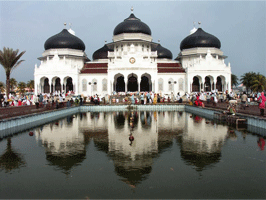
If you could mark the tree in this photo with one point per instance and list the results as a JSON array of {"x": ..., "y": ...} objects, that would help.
[
  {"x": 258, "y": 83},
  {"x": 234, "y": 80},
  {"x": 13, "y": 83},
  {"x": 246, "y": 79},
  {"x": 30, "y": 85},
  {"x": 9, "y": 59},
  {"x": 2, "y": 87},
  {"x": 21, "y": 87}
]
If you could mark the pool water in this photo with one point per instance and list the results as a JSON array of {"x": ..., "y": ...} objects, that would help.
[{"x": 143, "y": 155}]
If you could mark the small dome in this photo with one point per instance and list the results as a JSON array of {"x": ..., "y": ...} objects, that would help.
[
  {"x": 163, "y": 52},
  {"x": 200, "y": 39},
  {"x": 132, "y": 25},
  {"x": 101, "y": 53},
  {"x": 64, "y": 40}
]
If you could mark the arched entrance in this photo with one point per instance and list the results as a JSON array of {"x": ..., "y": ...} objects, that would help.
[
  {"x": 145, "y": 84},
  {"x": 219, "y": 83},
  {"x": 207, "y": 84},
  {"x": 69, "y": 84},
  {"x": 120, "y": 84},
  {"x": 46, "y": 86},
  {"x": 195, "y": 84},
  {"x": 132, "y": 83},
  {"x": 57, "y": 85}
]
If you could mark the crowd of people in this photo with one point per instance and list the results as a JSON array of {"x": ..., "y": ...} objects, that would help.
[{"x": 195, "y": 98}]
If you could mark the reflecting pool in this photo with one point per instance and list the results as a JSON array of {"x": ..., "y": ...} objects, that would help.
[{"x": 143, "y": 155}]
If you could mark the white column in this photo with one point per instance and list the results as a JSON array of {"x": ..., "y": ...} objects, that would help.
[
  {"x": 126, "y": 82},
  {"x": 138, "y": 84}
]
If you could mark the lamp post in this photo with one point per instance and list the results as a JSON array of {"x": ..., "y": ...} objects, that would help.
[
  {"x": 172, "y": 83},
  {"x": 91, "y": 84}
]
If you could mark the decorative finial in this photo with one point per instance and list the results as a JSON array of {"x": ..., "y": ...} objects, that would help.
[
  {"x": 199, "y": 23},
  {"x": 65, "y": 24},
  {"x": 132, "y": 9},
  {"x": 105, "y": 41},
  {"x": 159, "y": 41}
]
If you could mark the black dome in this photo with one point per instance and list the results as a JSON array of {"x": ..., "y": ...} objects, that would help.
[
  {"x": 200, "y": 39},
  {"x": 101, "y": 53},
  {"x": 163, "y": 52},
  {"x": 132, "y": 25},
  {"x": 63, "y": 40}
]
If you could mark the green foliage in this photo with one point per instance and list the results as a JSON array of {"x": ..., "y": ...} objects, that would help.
[
  {"x": 21, "y": 87},
  {"x": 258, "y": 83},
  {"x": 234, "y": 80},
  {"x": 13, "y": 83},
  {"x": 9, "y": 59},
  {"x": 247, "y": 79},
  {"x": 2, "y": 87},
  {"x": 30, "y": 84}
]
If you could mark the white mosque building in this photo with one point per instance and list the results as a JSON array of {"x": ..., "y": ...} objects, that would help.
[{"x": 132, "y": 62}]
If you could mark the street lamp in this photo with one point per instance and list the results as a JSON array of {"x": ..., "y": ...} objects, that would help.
[
  {"x": 91, "y": 84},
  {"x": 172, "y": 83}
]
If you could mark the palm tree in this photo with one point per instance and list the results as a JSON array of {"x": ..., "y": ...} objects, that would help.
[
  {"x": 247, "y": 79},
  {"x": 30, "y": 85},
  {"x": 21, "y": 87},
  {"x": 2, "y": 87},
  {"x": 9, "y": 59},
  {"x": 234, "y": 80},
  {"x": 10, "y": 159},
  {"x": 13, "y": 83},
  {"x": 259, "y": 83}
]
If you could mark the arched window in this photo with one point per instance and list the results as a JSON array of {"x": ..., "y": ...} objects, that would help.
[
  {"x": 84, "y": 85},
  {"x": 160, "y": 82},
  {"x": 181, "y": 84},
  {"x": 94, "y": 85},
  {"x": 104, "y": 84}
]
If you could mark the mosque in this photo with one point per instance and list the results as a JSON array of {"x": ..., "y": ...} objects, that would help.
[{"x": 132, "y": 62}]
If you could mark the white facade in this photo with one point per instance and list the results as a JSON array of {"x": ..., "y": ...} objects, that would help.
[{"x": 132, "y": 57}]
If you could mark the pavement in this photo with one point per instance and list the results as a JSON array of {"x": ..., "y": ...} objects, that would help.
[{"x": 9, "y": 112}]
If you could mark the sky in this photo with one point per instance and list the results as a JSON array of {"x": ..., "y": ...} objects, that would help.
[{"x": 239, "y": 25}]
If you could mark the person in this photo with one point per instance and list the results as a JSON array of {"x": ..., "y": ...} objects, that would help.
[
  {"x": 244, "y": 98},
  {"x": 142, "y": 98},
  {"x": 155, "y": 99},
  {"x": 148, "y": 97},
  {"x": 231, "y": 109},
  {"x": 261, "y": 101},
  {"x": 36, "y": 101},
  {"x": 132, "y": 99},
  {"x": 40, "y": 100},
  {"x": 1, "y": 99},
  {"x": 56, "y": 104}
]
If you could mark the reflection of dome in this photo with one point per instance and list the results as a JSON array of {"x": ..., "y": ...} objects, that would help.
[
  {"x": 101, "y": 53},
  {"x": 65, "y": 163},
  {"x": 201, "y": 161},
  {"x": 133, "y": 176},
  {"x": 64, "y": 40},
  {"x": 163, "y": 52},
  {"x": 132, "y": 25},
  {"x": 200, "y": 39}
]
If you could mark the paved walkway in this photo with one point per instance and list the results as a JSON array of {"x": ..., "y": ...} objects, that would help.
[{"x": 9, "y": 112}]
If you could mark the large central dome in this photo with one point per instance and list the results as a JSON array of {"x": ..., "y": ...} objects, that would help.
[{"x": 132, "y": 25}]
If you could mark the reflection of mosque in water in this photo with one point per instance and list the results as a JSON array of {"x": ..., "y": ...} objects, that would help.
[{"x": 133, "y": 140}]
